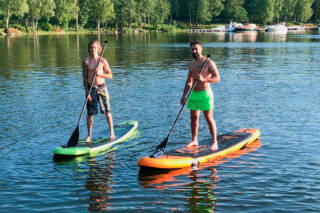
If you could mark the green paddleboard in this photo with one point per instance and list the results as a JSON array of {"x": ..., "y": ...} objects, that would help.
[{"x": 123, "y": 132}]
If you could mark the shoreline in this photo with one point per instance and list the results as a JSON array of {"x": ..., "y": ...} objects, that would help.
[
  {"x": 201, "y": 29},
  {"x": 15, "y": 32}
]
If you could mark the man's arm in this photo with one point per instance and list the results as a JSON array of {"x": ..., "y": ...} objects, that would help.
[
  {"x": 187, "y": 86},
  {"x": 85, "y": 76},
  {"x": 213, "y": 76},
  {"x": 106, "y": 70}
]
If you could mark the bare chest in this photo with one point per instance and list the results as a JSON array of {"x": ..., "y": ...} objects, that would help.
[
  {"x": 196, "y": 69},
  {"x": 92, "y": 65}
]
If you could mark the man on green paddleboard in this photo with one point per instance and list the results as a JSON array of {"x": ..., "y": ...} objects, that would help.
[
  {"x": 201, "y": 98},
  {"x": 95, "y": 74}
]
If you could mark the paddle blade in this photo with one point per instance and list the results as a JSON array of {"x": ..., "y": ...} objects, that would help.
[
  {"x": 160, "y": 150},
  {"x": 73, "y": 141},
  {"x": 157, "y": 153}
]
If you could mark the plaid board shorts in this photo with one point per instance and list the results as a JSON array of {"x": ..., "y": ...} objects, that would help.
[{"x": 99, "y": 94}]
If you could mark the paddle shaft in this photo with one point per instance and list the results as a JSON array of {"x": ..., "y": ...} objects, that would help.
[
  {"x": 94, "y": 78},
  {"x": 186, "y": 99}
]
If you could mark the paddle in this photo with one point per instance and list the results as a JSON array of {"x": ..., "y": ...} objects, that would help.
[
  {"x": 73, "y": 141},
  {"x": 160, "y": 150}
]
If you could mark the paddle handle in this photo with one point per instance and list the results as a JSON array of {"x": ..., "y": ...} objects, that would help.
[
  {"x": 94, "y": 78},
  {"x": 187, "y": 97}
]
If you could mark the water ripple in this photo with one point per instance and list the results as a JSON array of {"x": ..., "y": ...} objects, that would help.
[{"x": 271, "y": 84}]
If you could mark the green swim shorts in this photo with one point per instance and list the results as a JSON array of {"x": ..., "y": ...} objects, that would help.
[{"x": 201, "y": 100}]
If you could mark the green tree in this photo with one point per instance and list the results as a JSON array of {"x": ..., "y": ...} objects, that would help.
[
  {"x": 289, "y": 9},
  {"x": 145, "y": 9},
  {"x": 235, "y": 11},
  {"x": 316, "y": 11},
  {"x": 303, "y": 10},
  {"x": 161, "y": 11},
  {"x": 265, "y": 10},
  {"x": 101, "y": 11},
  {"x": 66, "y": 10},
  {"x": 186, "y": 10},
  {"x": 84, "y": 12},
  {"x": 34, "y": 12},
  {"x": 216, "y": 7},
  {"x": 174, "y": 10},
  {"x": 142, "y": 15},
  {"x": 125, "y": 12},
  {"x": 278, "y": 6},
  {"x": 191, "y": 7},
  {"x": 13, "y": 7},
  {"x": 202, "y": 12},
  {"x": 40, "y": 9}
]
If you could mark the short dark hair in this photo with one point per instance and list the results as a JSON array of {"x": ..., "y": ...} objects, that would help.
[{"x": 195, "y": 42}]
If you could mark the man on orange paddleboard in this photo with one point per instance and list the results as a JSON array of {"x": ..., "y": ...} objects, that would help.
[{"x": 201, "y": 98}]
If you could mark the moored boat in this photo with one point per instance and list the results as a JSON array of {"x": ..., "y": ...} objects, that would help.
[
  {"x": 246, "y": 27},
  {"x": 296, "y": 28},
  {"x": 232, "y": 26},
  {"x": 278, "y": 28}
]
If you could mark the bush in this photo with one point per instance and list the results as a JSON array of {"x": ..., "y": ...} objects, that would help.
[
  {"x": 166, "y": 27},
  {"x": 127, "y": 30},
  {"x": 174, "y": 23},
  {"x": 134, "y": 25},
  {"x": 46, "y": 26},
  {"x": 72, "y": 29},
  {"x": 148, "y": 27}
]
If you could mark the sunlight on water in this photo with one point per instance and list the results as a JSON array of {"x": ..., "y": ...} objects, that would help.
[{"x": 268, "y": 81}]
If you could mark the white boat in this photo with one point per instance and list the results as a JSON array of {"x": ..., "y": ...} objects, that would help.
[
  {"x": 232, "y": 26},
  {"x": 247, "y": 27},
  {"x": 296, "y": 28},
  {"x": 278, "y": 28}
]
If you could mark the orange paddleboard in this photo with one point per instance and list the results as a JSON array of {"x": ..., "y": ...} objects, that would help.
[{"x": 190, "y": 157}]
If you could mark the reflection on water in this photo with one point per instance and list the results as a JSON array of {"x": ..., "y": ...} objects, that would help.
[
  {"x": 275, "y": 36},
  {"x": 99, "y": 183},
  {"x": 246, "y": 36},
  {"x": 270, "y": 84},
  {"x": 163, "y": 179},
  {"x": 199, "y": 188},
  {"x": 201, "y": 197}
]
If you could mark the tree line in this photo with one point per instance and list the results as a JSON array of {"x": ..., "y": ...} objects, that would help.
[{"x": 144, "y": 13}]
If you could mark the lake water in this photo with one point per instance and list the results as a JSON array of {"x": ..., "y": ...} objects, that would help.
[{"x": 268, "y": 81}]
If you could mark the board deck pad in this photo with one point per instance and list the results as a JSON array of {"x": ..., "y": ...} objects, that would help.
[
  {"x": 102, "y": 137},
  {"x": 123, "y": 131},
  {"x": 195, "y": 155},
  {"x": 224, "y": 141}
]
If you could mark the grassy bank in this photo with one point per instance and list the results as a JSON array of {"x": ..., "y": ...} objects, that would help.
[
  {"x": 174, "y": 28},
  {"x": 14, "y": 30}
]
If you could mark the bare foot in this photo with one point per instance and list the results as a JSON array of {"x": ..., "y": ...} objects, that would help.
[
  {"x": 112, "y": 137},
  {"x": 214, "y": 147},
  {"x": 192, "y": 143},
  {"x": 88, "y": 139}
]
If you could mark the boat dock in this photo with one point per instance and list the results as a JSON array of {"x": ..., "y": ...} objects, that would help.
[{"x": 202, "y": 31}]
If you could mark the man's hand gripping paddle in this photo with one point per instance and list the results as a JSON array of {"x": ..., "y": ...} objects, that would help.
[
  {"x": 160, "y": 150},
  {"x": 73, "y": 141}
]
